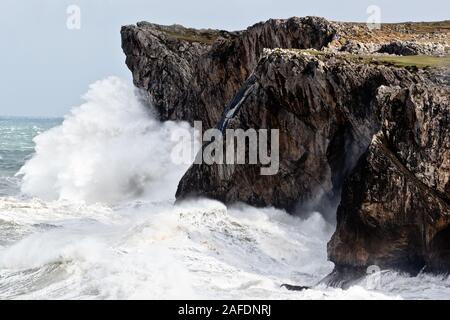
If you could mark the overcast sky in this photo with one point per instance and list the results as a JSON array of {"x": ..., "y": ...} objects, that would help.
[{"x": 45, "y": 67}]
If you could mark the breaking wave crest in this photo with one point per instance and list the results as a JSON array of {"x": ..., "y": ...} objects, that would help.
[
  {"x": 197, "y": 249},
  {"x": 109, "y": 149}
]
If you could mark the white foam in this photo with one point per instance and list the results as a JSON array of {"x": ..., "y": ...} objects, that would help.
[
  {"x": 198, "y": 249},
  {"x": 107, "y": 150}
]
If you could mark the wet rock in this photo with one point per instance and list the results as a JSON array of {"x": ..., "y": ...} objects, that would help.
[
  {"x": 323, "y": 107},
  {"x": 295, "y": 287},
  {"x": 395, "y": 206}
]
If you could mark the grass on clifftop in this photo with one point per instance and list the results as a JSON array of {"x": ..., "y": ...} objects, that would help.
[
  {"x": 420, "y": 61},
  {"x": 192, "y": 36}
]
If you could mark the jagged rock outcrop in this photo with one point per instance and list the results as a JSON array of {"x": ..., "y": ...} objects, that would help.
[
  {"x": 395, "y": 207},
  {"x": 323, "y": 107},
  {"x": 192, "y": 74},
  {"x": 381, "y": 128},
  {"x": 400, "y": 48},
  {"x": 409, "y": 48}
]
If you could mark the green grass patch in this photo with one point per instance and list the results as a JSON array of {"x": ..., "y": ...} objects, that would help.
[
  {"x": 192, "y": 36},
  {"x": 419, "y": 61},
  {"x": 312, "y": 52}
]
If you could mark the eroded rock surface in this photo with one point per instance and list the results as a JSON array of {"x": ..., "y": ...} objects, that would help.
[
  {"x": 395, "y": 207},
  {"x": 192, "y": 74},
  {"x": 323, "y": 105},
  {"x": 381, "y": 128}
]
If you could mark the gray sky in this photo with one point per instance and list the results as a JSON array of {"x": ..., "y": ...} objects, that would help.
[{"x": 45, "y": 68}]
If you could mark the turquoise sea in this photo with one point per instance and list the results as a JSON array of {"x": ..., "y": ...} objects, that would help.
[{"x": 17, "y": 146}]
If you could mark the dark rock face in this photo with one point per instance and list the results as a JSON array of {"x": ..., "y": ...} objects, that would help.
[
  {"x": 395, "y": 207},
  {"x": 376, "y": 132},
  {"x": 192, "y": 74},
  {"x": 323, "y": 107}
]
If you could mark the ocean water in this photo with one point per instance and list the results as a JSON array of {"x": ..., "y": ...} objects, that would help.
[
  {"x": 16, "y": 146},
  {"x": 87, "y": 212}
]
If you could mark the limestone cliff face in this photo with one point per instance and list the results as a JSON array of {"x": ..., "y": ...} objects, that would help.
[
  {"x": 377, "y": 131},
  {"x": 323, "y": 107},
  {"x": 192, "y": 74},
  {"x": 395, "y": 207}
]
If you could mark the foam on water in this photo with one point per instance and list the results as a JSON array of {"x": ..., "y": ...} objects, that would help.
[
  {"x": 193, "y": 250},
  {"x": 103, "y": 224}
]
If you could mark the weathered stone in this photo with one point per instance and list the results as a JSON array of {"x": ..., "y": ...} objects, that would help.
[
  {"x": 323, "y": 107},
  {"x": 395, "y": 206},
  {"x": 197, "y": 82},
  {"x": 382, "y": 129},
  {"x": 409, "y": 48}
]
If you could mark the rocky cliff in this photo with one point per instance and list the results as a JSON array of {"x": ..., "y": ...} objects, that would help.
[
  {"x": 395, "y": 207},
  {"x": 372, "y": 128},
  {"x": 323, "y": 106},
  {"x": 192, "y": 74}
]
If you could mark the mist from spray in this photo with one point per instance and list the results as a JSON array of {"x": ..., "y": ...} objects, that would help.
[{"x": 109, "y": 149}]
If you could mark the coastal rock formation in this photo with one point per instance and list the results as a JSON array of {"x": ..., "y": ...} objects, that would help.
[
  {"x": 192, "y": 74},
  {"x": 322, "y": 105},
  {"x": 395, "y": 207},
  {"x": 372, "y": 128}
]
